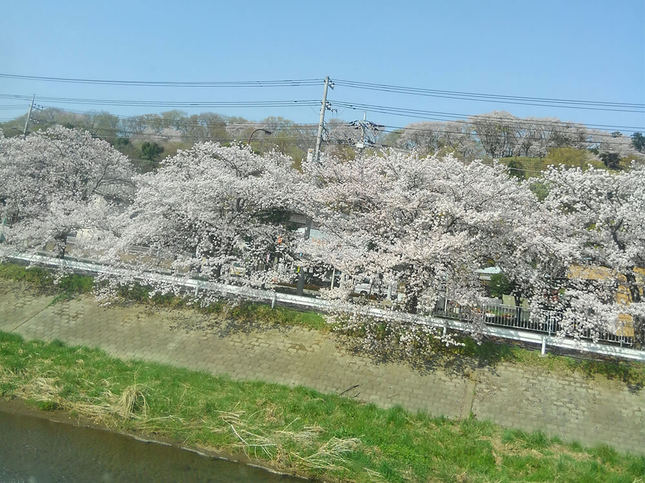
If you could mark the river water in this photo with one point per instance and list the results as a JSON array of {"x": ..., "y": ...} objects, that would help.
[{"x": 38, "y": 450}]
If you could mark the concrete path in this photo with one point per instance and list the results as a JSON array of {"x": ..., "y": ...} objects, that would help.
[{"x": 573, "y": 407}]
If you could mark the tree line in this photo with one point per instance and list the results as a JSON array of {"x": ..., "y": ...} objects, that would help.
[
  {"x": 527, "y": 144},
  {"x": 570, "y": 240}
]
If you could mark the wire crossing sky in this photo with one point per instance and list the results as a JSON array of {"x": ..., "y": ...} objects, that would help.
[{"x": 580, "y": 61}]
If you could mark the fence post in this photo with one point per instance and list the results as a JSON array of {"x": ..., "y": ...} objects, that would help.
[
  {"x": 549, "y": 324},
  {"x": 543, "y": 352},
  {"x": 273, "y": 301}
]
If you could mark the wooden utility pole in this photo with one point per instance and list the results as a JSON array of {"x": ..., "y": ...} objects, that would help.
[
  {"x": 31, "y": 106},
  {"x": 300, "y": 285},
  {"x": 321, "y": 122}
]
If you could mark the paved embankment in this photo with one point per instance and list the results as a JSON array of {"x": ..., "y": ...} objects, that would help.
[{"x": 571, "y": 406}]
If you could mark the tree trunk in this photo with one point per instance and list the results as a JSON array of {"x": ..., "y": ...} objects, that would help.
[
  {"x": 518, "y": 307},
  {"x": 61, "y": 245},
  {"x": 638, "y": 322},
  {"x": 411, "y": 303}
]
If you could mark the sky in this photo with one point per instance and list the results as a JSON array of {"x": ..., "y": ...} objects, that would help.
[{"x": 589, "y": 50}]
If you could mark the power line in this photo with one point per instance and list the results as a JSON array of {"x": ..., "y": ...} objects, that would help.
[
  {"x": 444, "y": 117},
  {"x": 462, "y": 95},
  {"x": 464, "y": 118},
  {"x": 412, "y": 112},
  {"x": 159, "y": 103},
  {"x": 508, "y": 99},
  {"x": 291, "y": 129},
  {"x": 396, "y": 111},
  {"x": 147, "y": 83},
  {"x": 497, "y": 96}
]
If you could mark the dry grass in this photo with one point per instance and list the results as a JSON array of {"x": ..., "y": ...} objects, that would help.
[
  {"x": 132, "y": 403},
  {"x": 42, "y": 389},
  {"x": 330, "y": 454},
  {"x": 275, "y": 444},
  {"x": 46, "y": 391}
]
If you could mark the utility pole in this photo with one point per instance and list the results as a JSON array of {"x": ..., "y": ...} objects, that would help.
[
  {"x": 300, "y": 285},
  {"x": 324, "y": 106},
  {"x": 31, "y": 106}
]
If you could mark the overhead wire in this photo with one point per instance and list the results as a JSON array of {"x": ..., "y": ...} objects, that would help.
[
  {"x": 466, "y": 95},
  {"x": 147, "y": 83},
  {"x": 487, "y": 97},
  {"x": 160, "y": 103},
  {"x": 286, "y": 127},
  {"x": 458, "y": 117},
  {"x": 390, "y": 110}
]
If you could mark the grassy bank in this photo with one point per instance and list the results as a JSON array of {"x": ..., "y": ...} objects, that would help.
[
  {"x": 430, "y": 353},
  {"x": 71, "y": 285},
  {"x": 294, "y": 429}
]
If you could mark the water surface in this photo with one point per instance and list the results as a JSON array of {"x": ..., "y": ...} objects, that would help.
[{"x": 38, "y": 450}]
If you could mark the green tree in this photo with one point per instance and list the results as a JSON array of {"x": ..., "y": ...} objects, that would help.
[
  {"x": 148, "y": 157},
  {"x": 516, "y": 168},
  {"x": 638, "y": 141},
  {"x": 611, "y": 160},
  {"x": 151, "y": 151},
  {"x": 120, "y": 142}
]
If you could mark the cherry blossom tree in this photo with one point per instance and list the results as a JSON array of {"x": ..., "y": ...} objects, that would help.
[
  {"x": 594, "y": 223},
  {"x": 434, "y": 137},
  {"x": 206, "y": 208},
  {"x": 427, "y": 222},
  {"x": 58, "y": 181}
]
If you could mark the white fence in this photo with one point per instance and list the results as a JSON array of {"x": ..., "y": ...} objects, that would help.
[
  {"x": 526, "y": 335},
  {"x": 547, "y": 323}
]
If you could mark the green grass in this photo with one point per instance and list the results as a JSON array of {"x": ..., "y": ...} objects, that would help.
[
  {"x": 490, "y": 353},
  {"x": 280, "y": 315},
  {"x": 69, "y": 286},
  {"x": 45, "y": 281},
  {"x": 294, "y": 429}
]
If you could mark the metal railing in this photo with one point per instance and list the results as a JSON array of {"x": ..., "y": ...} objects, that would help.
[
  {"x": 500, "y": 321},
  {"x": 548, "y": 322}
]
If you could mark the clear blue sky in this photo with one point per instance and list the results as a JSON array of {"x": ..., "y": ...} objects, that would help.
[{"x": 563, "y": 49}]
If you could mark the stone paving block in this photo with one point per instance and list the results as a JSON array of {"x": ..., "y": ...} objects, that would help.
[{"x": 18, "y": 305}]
